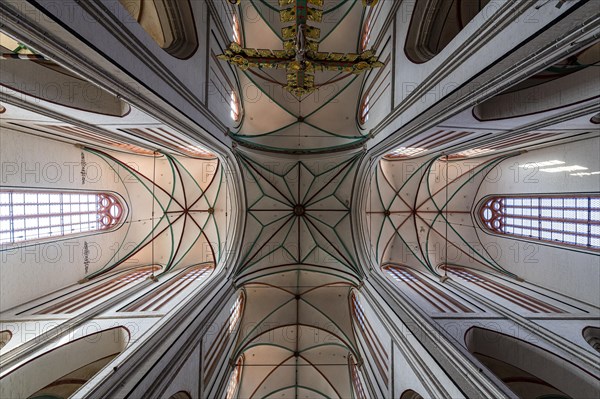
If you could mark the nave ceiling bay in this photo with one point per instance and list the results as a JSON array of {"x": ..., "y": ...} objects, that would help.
[{"x": 300, "y": 120}]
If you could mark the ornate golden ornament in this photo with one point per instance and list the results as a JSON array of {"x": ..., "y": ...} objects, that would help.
[{"x": 300, "y": 56}]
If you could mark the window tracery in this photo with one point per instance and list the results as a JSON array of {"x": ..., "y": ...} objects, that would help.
[
  {"x": 234, "y": 104},
  {"x": 234, "y": 380},
  {"x": 35, "y": 215},
  {"x": 359, "y": 390},
  {"x": 573, "y": 221},
  {"x": 363, "y": 114},
  {"x": 237, "y": 30}
]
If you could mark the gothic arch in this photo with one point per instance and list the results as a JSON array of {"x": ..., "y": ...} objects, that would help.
[
  {"x": 527, "y": 369},
  {"x": 170, "y": 23},
  {"x": 592, "y": 336},
  {"x": 567, "y": 82},
  {"x": 410, "y": 394},
  {"x": 435, "y": 23},
  {"x": 64, "y": 369},
  {"x": 181, "y": 395},
  {"x": 5, "y": 336},
  {"x": 42, "y": 79}
]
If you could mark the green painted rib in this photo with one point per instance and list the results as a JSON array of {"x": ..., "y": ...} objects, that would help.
[
  {"x": 133, "y": 173},
  {"x": 339, "y": 22},
  {"x": 483, "y": 166},
  {"x": 278, "y": 34},
  {"x": 295, "y": 387},
  {"x": 248, "y": 337},
  {"x": 332, "y": 98}
]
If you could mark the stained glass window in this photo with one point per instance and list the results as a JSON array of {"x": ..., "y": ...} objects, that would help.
[
  {"x": 359, "y": 391},
  {"x": 567, "y": 220},
  {"x": 235, "y": 314},
  {"x": 234, "y": 381},
  {"x": 234, "y": 103},
  {"x": 34, "y": 215},
  {"x": 237, "y": 31},
  {"x": 364, "y": 110}
]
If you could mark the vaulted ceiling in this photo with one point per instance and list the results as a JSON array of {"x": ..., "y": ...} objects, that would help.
[
  {"x": 299, "y": 262},
  {"x": 300, "y": 161},
  {"x": 297, "y": 269},
  {"x": 276, "y": 120}
]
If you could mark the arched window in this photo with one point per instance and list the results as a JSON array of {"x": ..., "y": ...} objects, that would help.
[
  {"x": 374, "y": 346},
  {"x": 237, "y": 30},
  {"x": 181, "y": 395},
  {"x": 410, "y": 394},
  {"x": 371, "y": 17},
  {"x": 357, "y": 385},
  {"x": 227, "y": 331},
  {"x": 235, "y": 313},
  {"x": 5, "y": 336},
  {"x": 234, "y": 380},
  {"x": 169, "y": 22},
  {"x": 434, "y": 24},
  {"x": 428, "y": 295},
  {"x": 363, "y": 114},
  {"x": 592, "y": 336},
  {"x": 365, "y": 38},
  {"x": 567, "y": 220},
  {"x": 64, "y": 369},
  {"x": 34, "y": 215},
  {"x": 159, "y": 298},
  {"x": 234, "y": 104}
]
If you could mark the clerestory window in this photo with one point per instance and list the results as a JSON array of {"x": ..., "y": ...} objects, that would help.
[
  {"x": 35, "y": 215},
  {"x": 569, "y": 220}
]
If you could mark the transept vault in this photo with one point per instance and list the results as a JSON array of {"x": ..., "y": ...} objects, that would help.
[{"x": 298, "y": 199}]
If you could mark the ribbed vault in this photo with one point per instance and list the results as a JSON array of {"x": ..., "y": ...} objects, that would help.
[
  {"x": 301, "y": 125},
  {"x": 180, "y": 202},
  {"x": 420, "y": 212},
  {"x": 298, "y": 214},
  {"x": 297, "y": 270}
]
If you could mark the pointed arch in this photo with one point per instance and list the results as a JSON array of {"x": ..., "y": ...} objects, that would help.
[
  {"x": 5, "y": 337},
  {"x": 170, "y": 23},
  {"x": 527, "y": 368},
  {"x": 64, "y": 369},
  {"x": 181, "y": 395},
  {"x": 592, "y": 337},
  {"x": 435, "y": 23},
  {"x": 42, "y": 215},
  {"x": 410, "y": 394},
  {"x": 235, "y": 378},
  {"x": 565, "y": 220}
]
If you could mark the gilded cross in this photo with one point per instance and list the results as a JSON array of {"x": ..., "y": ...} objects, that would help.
[{"x": 300, "y": 56}]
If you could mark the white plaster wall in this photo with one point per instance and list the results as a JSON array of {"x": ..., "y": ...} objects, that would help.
[
  {"x": 187, "y": 378},
  {"x": 572, "y": 273},
  {"x": 34, "y": 270}
]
